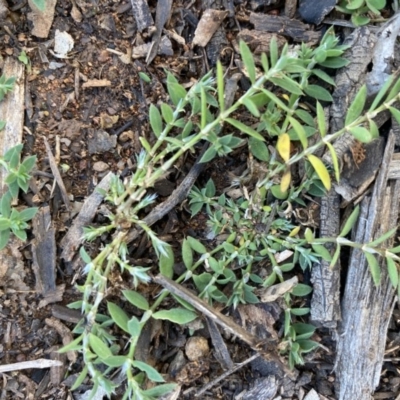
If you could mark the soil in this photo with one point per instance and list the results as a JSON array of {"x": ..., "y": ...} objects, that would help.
[{"x": 92, "y": 106}]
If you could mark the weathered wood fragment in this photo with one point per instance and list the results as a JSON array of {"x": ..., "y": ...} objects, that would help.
[
  {"x": 44, "y": 251},
  {"x": 141, "y": 13},
  {"x": 285, "y": 26},
  {"x": 366, "y": 308}
]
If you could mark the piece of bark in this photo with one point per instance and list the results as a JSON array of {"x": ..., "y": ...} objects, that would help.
[
  {"x": 42, "y": 20},
  {"x": 259, "y": 41},
  {"x": 163, "y": 12},
  {"x": 12, "y": 112},
  {"x": 3, "y": 10},
  {"x": 141, "y": 13},
  {"x": 57, "y": 372},
  {"x": 66, "y": 314},
  {"x": 44, "y": 251},
  {"x": 221, "y": 352},
  {"x": 383, "y": 55},
  {"x": 285, "y": 26},
  {"x": 315, "y": 14},
  {"x": 290, "y": 8},
  {"x": 57, "y": 175},
  {"x": 96, "y": 83},
  {"x": 208, "y": 25},
  {"x": 366, "y": 308},
  {"x": 394, "y": 167},
  {"x": 73, "y": 239},
  {"x": 262, "y": 388}
]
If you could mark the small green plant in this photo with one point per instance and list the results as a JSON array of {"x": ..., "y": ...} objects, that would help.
[
  {"x": 40, "y": 4},
  {"x": 6, "y": 85},
  {"x": 18, "y": 176},
  {"x": 248, "y": 232},
  {"x": 12, "y": 220},
  {"x": 361, "y": 10}
]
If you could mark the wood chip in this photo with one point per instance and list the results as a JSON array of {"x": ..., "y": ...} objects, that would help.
[
  {"x": 42, "y": 20},
  {"x": 208, "y": 25},
  {"x": 96, "y": 83},
  {"x": 44, "y": 251}
]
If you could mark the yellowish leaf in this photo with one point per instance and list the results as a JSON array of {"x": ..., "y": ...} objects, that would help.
[
  {"x": 283, "y": 146},
  {"x": 321, "y": 171},
  {"x": 285, "y": 181},
  {"x": 294, "y": 231}
]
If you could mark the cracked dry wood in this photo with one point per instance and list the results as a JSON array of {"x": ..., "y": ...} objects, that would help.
[{"x": 366, "y": 309}]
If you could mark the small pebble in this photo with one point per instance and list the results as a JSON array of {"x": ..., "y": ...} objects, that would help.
[
  {"x": 100, "y": 166},
  {"x": 196, "y": 348}
]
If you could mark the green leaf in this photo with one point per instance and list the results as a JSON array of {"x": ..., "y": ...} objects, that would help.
[
  {"x": 300, "y": 311},
  {"x": 115, "y": 361},
  {"x": 19, "y": 233},
  {"x": 302, "y": 328},
  {"x": 244, "y": 128},
  {"x": 335, "y": 161},
  {"x": 392, "y": 271},
  {"x": 167, "y": 113},
  {"x": 301, "y": 290},
  {"x": 28, "y": 213},
  {"x": 318, "y": 92},
  {"x": 209, "y": 155},
  {"x": 72, "y": 345},
  {"x": 361, "y": 134},
  {"x": 276, "y": 100},
  {"x": 354, "y": 4},
  {"x": 264, "y": 62},
  {"x": 360, "y": 20},
  {"x": 348, "y": 226},
  {"x": 134, "y": 327},
  {"x": 79, "y": 380},
  {"x": 305, "y": 116},
  {"x": 176, "y": 91},
  {"x": 335, "y": 257},
  {"x": 252, "y": 107},
  {"x": 144, "y": 77},
  {"x": 248, "y": 61},
  {"x": 2, "y": 125},
  {"x": 395, "y": 114},
  {"x": 118, "y": 315},
  {"x": 166, "y": 262},
  {"x": 136, "y": 299},
  {"x": 151, "y": 373},
  {"x": 4, "y": 238},
  {"x": 287, "y": 84},
  {"x": 187, "y": 254},
  {"x": 40, "y": 4},
  {"x": 159, "y": 390},
  {"x": 374, "y": 268},
  {"x": 99, "y": 347},
  {"x": 277, "y": 192},
  {"x": 203, "y": 113},
  {"x": 376, "y": 5},
  {"x": 382, "y": 238},
  {"x": 307, "y": 345},
  {"x": 323, "y": 76},
  {"x": 155, "y": 120},
  {"x": 259, "y": 149},
  {"x": 321, "y": 171},
  {"x": 29, "y": 163},
  {"x": 196, "y": 245},
  {"x": 84, "y": 255},
  {"x": 357, "y": 105},
  {"x": 394, "y": 91},
  {"x": 322, "y": 251},
  {"x": 388, "y": 84},
  {"x": 300, "y": 132},
  {"x": 5, "y": 224},
  {"x": 373, "y": 128},
  {"x": 176, "y": 315},
  {"x": 336, "y": 62},
  {"x": 321, "y": 119},
  {"x": 273, "y": 51},
  {"x": 220, "y": 86}
]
